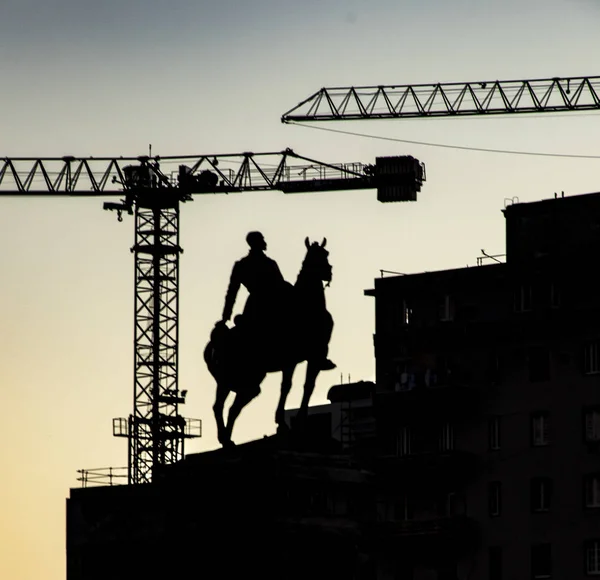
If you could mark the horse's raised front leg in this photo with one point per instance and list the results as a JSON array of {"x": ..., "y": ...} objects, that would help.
[
  {"x": 240, "y": 401},
  {"x": 286, "y": 384},
  {"x": 312, "y": 372},
  {"x": 221, "y": 397}
]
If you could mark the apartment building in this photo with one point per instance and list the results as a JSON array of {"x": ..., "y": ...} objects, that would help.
[{"x": 488, "y": 406}]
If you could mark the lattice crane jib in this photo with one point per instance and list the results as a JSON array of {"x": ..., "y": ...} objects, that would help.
[
  {"x": 152, "y": 189},
  {"x": 548, "y": 95}
]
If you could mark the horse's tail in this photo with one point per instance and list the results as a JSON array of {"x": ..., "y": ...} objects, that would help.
[{"x": 211, "y": 359}]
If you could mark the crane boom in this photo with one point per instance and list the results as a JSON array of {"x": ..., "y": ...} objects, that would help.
[
  {"x": 183, "y": 175},
  {"x": 152, "y": 189},
  {"x": 449, "y": 99}
]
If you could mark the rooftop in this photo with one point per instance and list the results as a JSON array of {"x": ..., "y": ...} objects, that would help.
[
  {"x": 457, "y": 275},
  {"x": 559, "y": 201},
  {"x": 559, "y": 226}
]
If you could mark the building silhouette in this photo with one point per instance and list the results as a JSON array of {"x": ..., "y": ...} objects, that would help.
[
  {"x": 348, "y": 418},
  {"x": 474, "y": 455},
  {"x": 487, "y": 402}
]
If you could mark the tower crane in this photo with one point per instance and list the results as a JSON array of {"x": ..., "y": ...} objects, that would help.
[
  {"x": 152, "y": 189},
  {"x": 550, "y": 95}
]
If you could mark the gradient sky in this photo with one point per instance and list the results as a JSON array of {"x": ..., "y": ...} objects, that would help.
[{"x": 108, "y": 78}]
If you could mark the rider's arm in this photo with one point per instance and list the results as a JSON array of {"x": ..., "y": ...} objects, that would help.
[
  {"x": 276, "y": 269},
  {"x": 232, "y": 290}
]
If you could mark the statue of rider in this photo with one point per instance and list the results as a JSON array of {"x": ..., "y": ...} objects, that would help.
[
  {"x": 261, "y": 277},
  {"x": 269, "y": 295}
]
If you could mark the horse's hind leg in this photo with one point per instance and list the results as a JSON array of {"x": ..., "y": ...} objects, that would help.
[
  {"x": 221, "y": 397},
  {"x": 312, "y": 372},
  {"x": 240, "y": 401},
  {"x": 286, "y": 384}
]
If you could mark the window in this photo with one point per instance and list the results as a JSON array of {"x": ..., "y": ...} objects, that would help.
[
  {"x": 540, "y": 429},
  {"x": 447, "y": 438},
  {"x": 591, "y": 364},
  {"x": 591, "y": 424},
  {"x": 495, "y": 498},
  {"x": 319, "y": 503},
  {"x": 539, "y": 364},
  {"x": 446, "y": 308},
  {"x": 540, "y": 496},
  {"x": 541, "y": 561},
  {"x": 591, "y": 490},
  {"x": 403, "y": 509},
  {"x": 406, "y": 313},
  {"x": 404, "y": 570},
  {"x": 403, "y": 442},
  {"x": 456, "y": 504},
  {"x": 523, "y": 298},
  {"x": 554, "y": 295},
  {"x": 495, "y": 563},
  {"x": 396, "y": 313},
  {"x": 592, "y": 557},
  {"x": 494, "y": 433},
  {"x": 368, "y": 569},
  {"x": 447, "y": 571}
]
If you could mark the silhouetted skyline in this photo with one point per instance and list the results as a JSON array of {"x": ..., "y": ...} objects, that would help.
[{"x": 87, "y": 78}]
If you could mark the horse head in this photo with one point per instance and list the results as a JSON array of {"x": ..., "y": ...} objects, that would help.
[{"x": 316, "y": 261}]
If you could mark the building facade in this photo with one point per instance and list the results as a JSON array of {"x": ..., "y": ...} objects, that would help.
[
  {"x": 266, "y": 509},
  {"x": 487, "y": 405}
]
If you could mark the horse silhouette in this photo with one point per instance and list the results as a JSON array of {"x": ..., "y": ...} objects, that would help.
[{"x": 239, "y": 358}]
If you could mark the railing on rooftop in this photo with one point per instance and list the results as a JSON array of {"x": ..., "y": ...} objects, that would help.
[
  {"x": 499, "y": 258},
  {"x": 434, "y": 526},
  {"x": 103, "y": 476},
  {"x": 481, "y": 260}
]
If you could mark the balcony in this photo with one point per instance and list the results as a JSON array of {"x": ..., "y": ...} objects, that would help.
[
  {"x": 319, "y": 526},
  {"x": 428, "y": 538},
  {"x": 451, "y": 395},
  {"x": 427, "y": 470}
]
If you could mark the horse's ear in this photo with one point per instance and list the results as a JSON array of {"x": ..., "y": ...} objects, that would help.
[
  {"x": 323, "y": 242},
  {"x": 306, "y": 243}
]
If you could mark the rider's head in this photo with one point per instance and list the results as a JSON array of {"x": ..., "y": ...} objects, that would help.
[{"x": 256, "y": 241}]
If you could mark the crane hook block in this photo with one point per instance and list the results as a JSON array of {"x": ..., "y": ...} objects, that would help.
[{"x": 119, "y": 208}]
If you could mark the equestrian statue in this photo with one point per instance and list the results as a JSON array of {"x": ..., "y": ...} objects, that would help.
[{"x": 281, "y": 326}]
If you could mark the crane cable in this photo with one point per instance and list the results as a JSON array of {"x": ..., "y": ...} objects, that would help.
[{"x": 445, "y": 146}]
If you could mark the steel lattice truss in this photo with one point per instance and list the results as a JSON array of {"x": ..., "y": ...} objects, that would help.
[
  {"x": 157, "y": 428},
  {"x": 107, "y": 176},
  {"x": 449, "y": 99}
]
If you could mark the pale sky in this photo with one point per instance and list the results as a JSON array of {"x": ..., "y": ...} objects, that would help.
[{"x": 108, "y": 78}]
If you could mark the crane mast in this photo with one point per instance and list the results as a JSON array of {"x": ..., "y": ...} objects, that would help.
[
  {"x": 550, "y": 95},
  {"x": 152, "y": 190}
]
